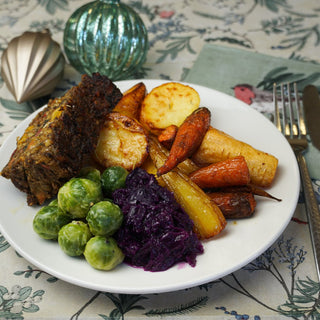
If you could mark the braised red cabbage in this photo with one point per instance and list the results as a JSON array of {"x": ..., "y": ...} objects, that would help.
[{"x": 156, "y": 233}]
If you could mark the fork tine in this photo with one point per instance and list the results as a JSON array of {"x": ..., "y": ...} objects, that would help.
[
  {"x": 293, "y": 126},
  {"x": 300, "y": 115},
  {"x": 285, "y": 124},
  {"x": 276, "y": 108},
  {"x": 293, "y": 123}
]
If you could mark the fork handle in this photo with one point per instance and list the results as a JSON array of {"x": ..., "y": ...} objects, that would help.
[{"x": 312, "y": 209}]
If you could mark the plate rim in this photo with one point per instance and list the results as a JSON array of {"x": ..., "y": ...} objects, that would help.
[{"x": 164, "y": 288}]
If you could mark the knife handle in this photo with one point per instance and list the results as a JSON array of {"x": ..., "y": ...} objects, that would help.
[{"x": 312, "y": 209}]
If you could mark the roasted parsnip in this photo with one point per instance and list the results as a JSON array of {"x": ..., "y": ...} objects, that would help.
[
  {"x": 207, "y": 217},
  {"x": 187, "y": 166},
  {"x": 149, "y": 166},
  {"x": 217, "y": 146}
]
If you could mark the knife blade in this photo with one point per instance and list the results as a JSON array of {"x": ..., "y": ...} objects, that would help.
[{"x": 311, "y": 104}]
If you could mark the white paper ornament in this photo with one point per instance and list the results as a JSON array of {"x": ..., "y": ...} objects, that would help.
[{"x": 32, "y": 65}]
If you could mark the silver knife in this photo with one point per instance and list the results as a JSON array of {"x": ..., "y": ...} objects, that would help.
[{"x": 311, "y": 104}]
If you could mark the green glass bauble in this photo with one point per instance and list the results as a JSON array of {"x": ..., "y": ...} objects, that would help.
[{"x": 106, "y": 36}]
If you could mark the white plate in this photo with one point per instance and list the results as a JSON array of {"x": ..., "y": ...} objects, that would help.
[{"x": 241, "y": 242}]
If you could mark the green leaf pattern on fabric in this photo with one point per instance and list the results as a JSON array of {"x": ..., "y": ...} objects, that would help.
[{"x": 177, "y": 32}]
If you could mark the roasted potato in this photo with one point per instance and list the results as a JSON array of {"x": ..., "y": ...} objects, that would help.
[
  {"x": 218, "y": 146},
  {"x": 122, "y": 142},
  {"x": 168, "y": 104},
  {"x": 131, "y": 100}
]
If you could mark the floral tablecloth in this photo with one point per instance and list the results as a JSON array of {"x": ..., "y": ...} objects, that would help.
[{"x": 280, "y": 284}]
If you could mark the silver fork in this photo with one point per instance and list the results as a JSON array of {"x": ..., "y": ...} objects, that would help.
[{"x": 294, "y": 129}]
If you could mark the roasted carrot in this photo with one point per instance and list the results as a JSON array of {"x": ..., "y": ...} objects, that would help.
[
  {"x": 260, "y": 192},
  {"x": 167, "y": 136},
  {"x": 249, "y": 189},
  {"x": 230, "y": 172},
  {"x": 234, "y": 205},
  {"x": 188, "y": 139},
  {"x": 186, "y": 166}
]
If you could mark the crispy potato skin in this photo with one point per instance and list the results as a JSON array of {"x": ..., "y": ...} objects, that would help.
[
  {"x": 218, "y": 146},
  {"x": 131, "y": 101},
  {"x": 168, "y": 104},
  {"x": 122, "y": 142}
]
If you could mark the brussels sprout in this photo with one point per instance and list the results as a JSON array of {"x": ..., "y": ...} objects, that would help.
[
  {"x": 90, "y": 173},
  {"x": 103, "y": 253},
  {"x": 112, "y": 179},
  {"x": 48, "y": 221},
  {"x": 53, "y": 203},
  {"x": 77, "y": 196},
  {"x": 104, "y": 218},
  {"x": 73, "y": 237}
]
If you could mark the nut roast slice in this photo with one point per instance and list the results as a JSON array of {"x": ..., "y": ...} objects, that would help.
[{"x": 60, "y": 137}]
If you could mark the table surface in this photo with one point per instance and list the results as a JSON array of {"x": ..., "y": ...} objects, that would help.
[{"x": 280, "y": 284}]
